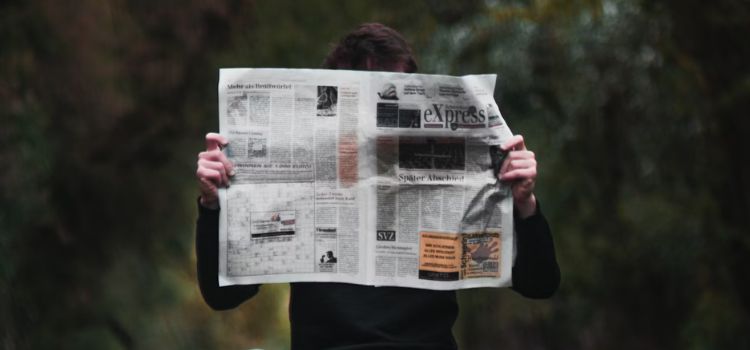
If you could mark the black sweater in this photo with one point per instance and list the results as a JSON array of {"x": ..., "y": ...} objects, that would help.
[{"x": 350, "y": 316}]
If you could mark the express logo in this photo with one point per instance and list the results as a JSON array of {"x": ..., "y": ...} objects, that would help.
[{"x": 444, "y": 116}]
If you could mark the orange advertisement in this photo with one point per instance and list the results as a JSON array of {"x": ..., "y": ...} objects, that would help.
[{"x": 439, "y": 256}]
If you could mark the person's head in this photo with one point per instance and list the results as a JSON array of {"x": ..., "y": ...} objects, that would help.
[
  {"x": 329, "y": 254},
  {"x": 372, "y": 46}
]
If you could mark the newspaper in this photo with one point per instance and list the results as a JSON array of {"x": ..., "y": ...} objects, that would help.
[{"x": 374, "y": 178}]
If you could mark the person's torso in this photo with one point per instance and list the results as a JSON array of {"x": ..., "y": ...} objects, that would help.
[{"x": 348, "y": 316}]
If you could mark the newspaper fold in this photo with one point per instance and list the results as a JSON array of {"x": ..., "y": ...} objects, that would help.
[{"x": 371, "y": 178}]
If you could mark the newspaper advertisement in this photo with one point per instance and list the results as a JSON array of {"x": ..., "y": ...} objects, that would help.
[{"x": 373, "y": 178}]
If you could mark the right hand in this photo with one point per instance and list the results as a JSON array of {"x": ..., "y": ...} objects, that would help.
[{"x": 214, "y": 170}]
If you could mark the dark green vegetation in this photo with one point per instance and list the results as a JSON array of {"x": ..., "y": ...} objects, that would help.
[{"x": 638, "y": 113}]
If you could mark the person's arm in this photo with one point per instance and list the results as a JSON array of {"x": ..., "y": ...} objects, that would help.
[
  {"x": 214, "y": 171},
  {"x": 535, "y": 271},
  {"x": 207, "y": 251}
]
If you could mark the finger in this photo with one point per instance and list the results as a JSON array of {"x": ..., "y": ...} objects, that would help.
[
  {"x": 215, "y": 141},
  {"x": 209, "y": 174},
  {"x": 216, "y": 155},
  {"x": 209, "y": 193},
  {"x": 526, "y": 154},
  {"x": 519, "y": 174},
  {"x": 504, "y": 167},
  {"x": 218, "y": 166},
  {"x": 219, "y": 156},
  {"x": 522, "y": 163},
  {"x": 506, "y": 162},
  {"x": 514, "y": 143},
  {"x": 517, "y": 159},
  {"x": 208, "y": 190}
]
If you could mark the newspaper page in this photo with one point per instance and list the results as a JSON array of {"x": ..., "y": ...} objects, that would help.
[{"x": 373, "y": 178}]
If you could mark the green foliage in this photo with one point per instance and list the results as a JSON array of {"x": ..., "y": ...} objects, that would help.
[
  {"x": 636, "y": 111},
  {"x": 634, "y": 163}
]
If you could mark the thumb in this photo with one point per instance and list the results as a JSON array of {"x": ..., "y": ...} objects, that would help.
[{"x": 215, "y": 141}]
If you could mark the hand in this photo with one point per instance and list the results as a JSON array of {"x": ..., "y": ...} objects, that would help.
[
  {"x": 519, "y": 168},
  {"x": 214, "y": 170},
  {"x": 484, "y": 251}
]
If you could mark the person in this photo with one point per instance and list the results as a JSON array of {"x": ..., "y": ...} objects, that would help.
[
  {"x": 368, "y": 317},
  {"x": 328, "y": 258}
]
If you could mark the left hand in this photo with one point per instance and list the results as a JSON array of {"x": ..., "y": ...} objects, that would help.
[{"x": 519, "y": 168}]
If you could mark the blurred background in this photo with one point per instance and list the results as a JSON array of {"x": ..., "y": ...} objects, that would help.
[{"x": 637, "y": 111}]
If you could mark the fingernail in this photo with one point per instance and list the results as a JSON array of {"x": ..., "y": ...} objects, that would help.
[{"x": 231, "y": 172}]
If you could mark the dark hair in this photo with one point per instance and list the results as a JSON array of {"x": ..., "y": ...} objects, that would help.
[{"x": 372, "y": 46}]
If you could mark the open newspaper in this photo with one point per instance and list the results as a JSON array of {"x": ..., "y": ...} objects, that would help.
[{"x": 371, "y": 178}]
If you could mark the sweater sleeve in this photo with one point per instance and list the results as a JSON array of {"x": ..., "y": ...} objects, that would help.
[
  {"x": 207, "y": 251},
  {"x": 535, "y": 271}
]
